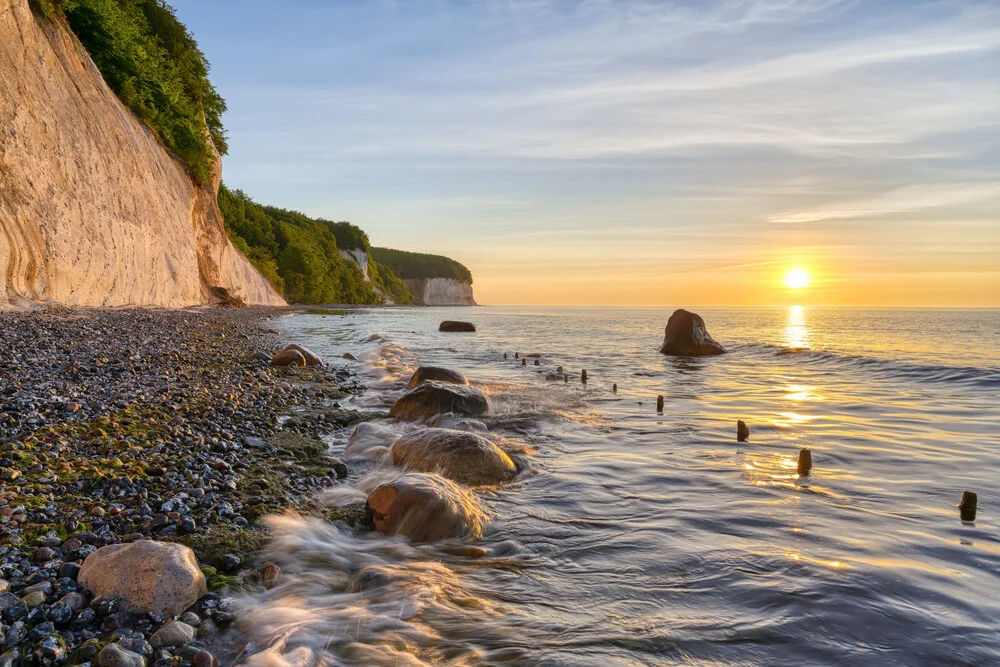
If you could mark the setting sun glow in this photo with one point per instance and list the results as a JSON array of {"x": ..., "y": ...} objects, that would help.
[{"x": 796, "y": 279}]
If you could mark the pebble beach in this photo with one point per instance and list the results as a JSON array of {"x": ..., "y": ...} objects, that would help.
[{"x": 124, "y": 425}]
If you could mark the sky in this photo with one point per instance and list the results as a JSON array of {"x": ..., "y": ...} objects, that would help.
[{"x": 632, "y": 152}]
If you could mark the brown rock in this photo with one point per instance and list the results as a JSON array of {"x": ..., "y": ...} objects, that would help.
[
  {"x": 432, "y": 398},
  {"x": 453, "y": 326},
  {"x": 270, "y": 575},
  {"x": 458, "y": 455},
  {"x": 437, "y": 374},
  {"x": 425, "y": 507},
  {"x": 742, "y": 431},
  {"x": 312, "y": 359},
  {"x": 161, "y": 577},
  {"x": 288, "y": 358},
  {"x": 686, "y": 336}
]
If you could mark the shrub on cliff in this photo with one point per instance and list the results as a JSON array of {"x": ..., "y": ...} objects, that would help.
[
  {"x": 151, "y": 61},
  {"x": 418, "y": 265},
  {"x": 300, "y": 255}
]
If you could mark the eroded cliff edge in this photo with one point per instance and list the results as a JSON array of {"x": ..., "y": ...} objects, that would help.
[
  {"x": 441, "y": 291},
  {"x": 93, "y": 209}
]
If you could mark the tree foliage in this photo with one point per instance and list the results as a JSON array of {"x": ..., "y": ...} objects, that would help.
[
  {"x": 418, "y": 265},
  {"x": 151, "y": 61},
  {"x": 301, "y": 255}
]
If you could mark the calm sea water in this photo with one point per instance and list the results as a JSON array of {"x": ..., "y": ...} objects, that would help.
[{"x": 647, "y": 539}]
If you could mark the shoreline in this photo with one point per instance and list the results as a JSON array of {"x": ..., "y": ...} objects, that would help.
[{"x": 123, "y": 424}]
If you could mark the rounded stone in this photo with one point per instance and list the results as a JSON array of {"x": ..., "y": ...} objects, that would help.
[
  {"x": 438, "y": 374},
  {"x": 432, "y": 398},
  {"x": 159, "y": 577},
  {"x": 461, "y": 456},
  {"x": 424, "y": 508}
]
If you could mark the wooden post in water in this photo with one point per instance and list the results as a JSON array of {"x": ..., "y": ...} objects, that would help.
[
  {"x": 504, "y": 355},
  {"x": 614, "y": 388},
  {"x": 967, "y": 508},
  {"x": 742, "y": 431},
  {"x": 524, "y": 362},
  {"x": 583, "y": 376},
  {"x": 659, "y": 404},
  {"x": 517, "y": 355},
  {"x": 805, "y": 461},
  {"x": 537, "y": 362},
  {"x": 559, "y": 369}
]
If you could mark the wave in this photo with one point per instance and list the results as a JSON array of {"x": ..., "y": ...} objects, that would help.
[{"x": 890, "y": 369}]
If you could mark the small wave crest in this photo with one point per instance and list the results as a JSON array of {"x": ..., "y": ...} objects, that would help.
[
  {"x": 888, "y": 368},
  {"x": 349, "y": 599}
]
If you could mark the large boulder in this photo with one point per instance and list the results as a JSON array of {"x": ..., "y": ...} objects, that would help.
[
  {"x": 686, "y": 336},
  {"x": 461, "y": 456},
  {"x": 432, "y": 398},
  {"x": 453, "y": 326},
  {"x": 312, "y": 359},
  {"x": 425, "y": 508},
  {"x": 288, "y": 358},
  {"x": 438, "y": 374},
  {"x": 159, "y": 577}
]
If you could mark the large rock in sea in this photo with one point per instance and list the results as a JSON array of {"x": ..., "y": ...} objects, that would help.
[
  {"x": 312, "y": 359},
  {"x": 461, "y": 456},
  {"x": 425, "y": 508},
  {"x": 433, "y": 398},
  {"x": 453, "y": 326},
  {"x": 436, "y": 373},
  {"x": 159, "y": 577},
  {"x": 686, "y": 336}
]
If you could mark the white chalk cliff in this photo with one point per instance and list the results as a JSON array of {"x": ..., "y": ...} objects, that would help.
[
  {"x": 441, "y": 292},
  {"x": 93, "y": 209},
  {"x": 359, "y": 257}
]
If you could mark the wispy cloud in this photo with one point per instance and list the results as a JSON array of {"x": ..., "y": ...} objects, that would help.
[{"x": 901, "y": 200}]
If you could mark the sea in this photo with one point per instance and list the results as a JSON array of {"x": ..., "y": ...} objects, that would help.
[{"x": 638, "y": 537}]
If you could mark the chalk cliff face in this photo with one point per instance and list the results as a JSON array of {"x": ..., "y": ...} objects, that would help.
[
  {"x": 359, "y": 257},
  {"x": 93, "y": 210},
  {"x": 441, "y": 292}
]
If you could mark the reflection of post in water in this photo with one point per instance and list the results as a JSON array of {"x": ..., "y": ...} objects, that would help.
[{"x": 796, "y": 332}]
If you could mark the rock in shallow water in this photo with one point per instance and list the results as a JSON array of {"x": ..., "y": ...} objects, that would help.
[
  {"x": 432, "y": 398},
  {"x": 312, "y": 359},
  {"x": 288, "y": 358},
  {"x": 438, "y": 374},
  {"x": 424, "y": 508},
  {"x": 453, "y": 326},
  {"x": 458, "y": 455},
  {"x": 159, "y": 577},
  {"x": 686, "y": 336}
]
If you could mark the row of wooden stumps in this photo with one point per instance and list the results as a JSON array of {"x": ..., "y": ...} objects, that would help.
[
  {"x": 967, "y": 508},
  {"x": 805, "y": 463}
]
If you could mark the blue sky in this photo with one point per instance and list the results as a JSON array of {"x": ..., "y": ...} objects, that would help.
[{"x": 632, "y": 152}]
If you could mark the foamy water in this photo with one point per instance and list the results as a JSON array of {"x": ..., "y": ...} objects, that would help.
[{"x": 638, "y": 538}]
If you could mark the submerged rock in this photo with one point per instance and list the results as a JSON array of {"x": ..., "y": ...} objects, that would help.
[
  {"x": 425, "y": 507},
  {"x": 686, "y": 336},
  {"x": 450, "y": 420},
  {"x": 438, "y": 374},
  {"x": 454, "y": 326},
  {"x": 159, "y": 577},
  {"x": 432, "y": 398},
  {"x": 312, "y": 359},
  {"x": 369, "y": 441},
  {"x": 288, "y": 358},
  {"x": 742, "y": 431},
  {"x": 458, "y": 455}
]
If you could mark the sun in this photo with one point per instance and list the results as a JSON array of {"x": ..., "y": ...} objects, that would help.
[{"x": 796, "y": 279}]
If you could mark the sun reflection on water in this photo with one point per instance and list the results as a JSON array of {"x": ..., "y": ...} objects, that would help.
[{"x": 796, "y": 331}]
